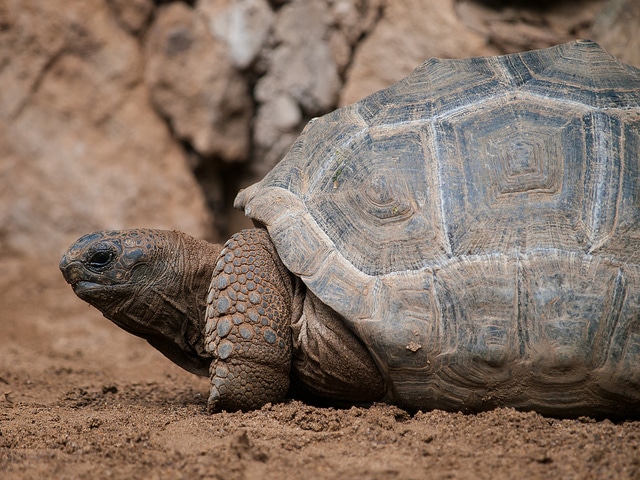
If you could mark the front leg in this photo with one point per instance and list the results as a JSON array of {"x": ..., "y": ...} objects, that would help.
[{"x": 248, "y": 321}]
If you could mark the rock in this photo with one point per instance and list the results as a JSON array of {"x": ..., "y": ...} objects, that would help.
[
  {"x": 80, "y": 146},
  {"x": 352, "y": 19},
  {"x": 617, "y": 29},
  {"x": 276, "y": 127},
  {"x": 242, "y": 24},
  {"x": 408, "y": 33},
  {"x": 132, "y": 15},
  {"x": 312, "y": 44},
  {"x": 513, "y": 27},
  {"x": 195, "y": 86},
  {"x": 301, "y": 63},
  {"x": 299, "y": 68}
]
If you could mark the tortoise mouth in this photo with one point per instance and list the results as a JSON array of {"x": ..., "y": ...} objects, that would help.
[
  {"x": 97, "y": 294},
  {"x": 85, "y": 286}
]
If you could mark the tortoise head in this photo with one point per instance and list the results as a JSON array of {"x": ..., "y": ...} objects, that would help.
[{"x": 152, "y": 283}]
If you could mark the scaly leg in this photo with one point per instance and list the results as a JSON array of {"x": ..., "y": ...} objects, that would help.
[{"x": 248, "y": 321}]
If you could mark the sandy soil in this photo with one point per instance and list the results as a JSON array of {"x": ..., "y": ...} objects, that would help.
[{"x": 81, "y": 399}]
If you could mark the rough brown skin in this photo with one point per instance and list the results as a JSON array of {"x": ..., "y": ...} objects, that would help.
[
  {"x": 249, "y": 307},
  {"x": 234, "y": 313},
  {"x": 151, "y": 283}
]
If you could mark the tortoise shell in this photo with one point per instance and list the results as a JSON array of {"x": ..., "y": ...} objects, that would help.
[{"x": 476, "y": 225}]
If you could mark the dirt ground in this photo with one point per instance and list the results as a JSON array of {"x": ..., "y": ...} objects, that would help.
[{"x": 81, "y": 399}]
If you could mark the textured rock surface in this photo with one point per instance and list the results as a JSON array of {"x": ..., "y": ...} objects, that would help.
[
  {"x": 617, "y": 28},
  {"x": 133, "y": 15},
  {"x": 80, "y": 145},
  {"x": 413, "y": 30},
  {"x": 408, "y": 33},
  {"x": 516, "y": 26},
  {"x": 194, "y": 84},
  {"x": 312, "y": 44},
  {"x": 243, "y": 25}
]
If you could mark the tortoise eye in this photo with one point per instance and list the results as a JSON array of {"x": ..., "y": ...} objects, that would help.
[{"x": 101, "y": 259}]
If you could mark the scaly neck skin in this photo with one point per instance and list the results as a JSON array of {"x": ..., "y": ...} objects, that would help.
[
  {"x": 199, "y": 259},
  {"x": 175, "y": 306},
  {"x": 152, "y": 283}
]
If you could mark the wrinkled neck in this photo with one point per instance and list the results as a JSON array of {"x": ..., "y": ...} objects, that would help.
[
  {"x": 169, "y": 308},
  {"x": 199, "y": 262}
]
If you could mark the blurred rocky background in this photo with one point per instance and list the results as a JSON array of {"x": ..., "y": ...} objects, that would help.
[
  {"x": 120, "y": 113},
  {"x": 123, "y": 113}
]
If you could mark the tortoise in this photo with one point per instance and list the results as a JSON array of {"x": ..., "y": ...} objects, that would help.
[{"x": 465, "y": 239}]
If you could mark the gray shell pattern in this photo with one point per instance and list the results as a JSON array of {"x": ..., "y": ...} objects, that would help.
[{"x": 476, "y": 222}]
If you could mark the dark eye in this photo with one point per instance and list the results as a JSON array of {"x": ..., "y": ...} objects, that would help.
[{"x": 101, "y": 259}]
